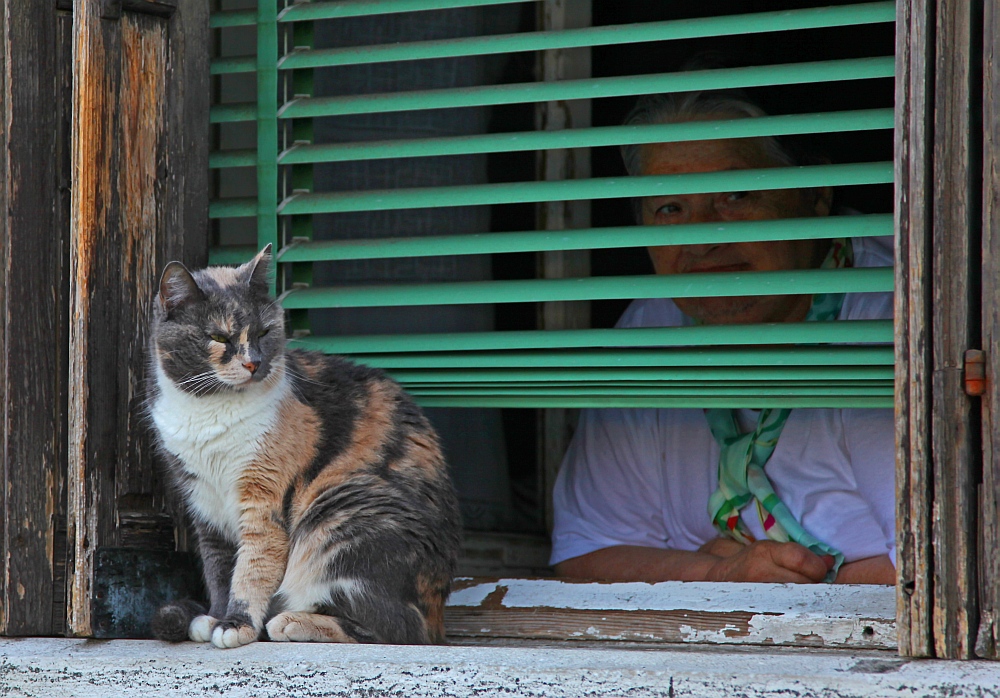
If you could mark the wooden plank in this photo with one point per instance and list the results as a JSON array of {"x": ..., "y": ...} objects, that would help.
[
  {"x": 143, "y": 107},
  {"x": 956, "y": 327},
  {"x": 913, "y": 133},
  {"x": 988, "y": 639},
  {"x": 170, "y": 223},
  {"x": 4, "y": 255},
  {"x": 186, "y": 225},
  {"x": 140, "y": 200},
  {"x": 164, "y": 217},
  {"x": 93, "y": 318},
  {"x": 831, "y": 616},
  {"x": 61, "y": 555},
  {"x": 556, "y": 425},
  {"x": 34, "y": 305}
]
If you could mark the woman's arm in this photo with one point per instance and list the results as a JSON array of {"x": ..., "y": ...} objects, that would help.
[
  {"x": 761, "y": 561},
  {"x": 871, "y": 570}
]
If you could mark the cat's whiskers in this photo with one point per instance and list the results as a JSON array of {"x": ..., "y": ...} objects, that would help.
[
  {"x": 195, "y": 378},
  {"x": 200, "y": 384}
]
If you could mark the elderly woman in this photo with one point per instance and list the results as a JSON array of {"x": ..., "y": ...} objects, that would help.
[{"x": 639, "y": 496}]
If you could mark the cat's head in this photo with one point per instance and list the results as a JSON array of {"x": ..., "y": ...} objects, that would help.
[{"x": 218, "y": 329}]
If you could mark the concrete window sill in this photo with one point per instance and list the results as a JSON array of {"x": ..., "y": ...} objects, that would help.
[{"x": 84, "y": 668}]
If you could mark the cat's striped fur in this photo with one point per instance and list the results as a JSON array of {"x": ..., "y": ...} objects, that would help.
[{"x": 317, "y": 488}]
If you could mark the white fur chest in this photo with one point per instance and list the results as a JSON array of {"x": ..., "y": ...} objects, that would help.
[{"x": 216, "y": 437}]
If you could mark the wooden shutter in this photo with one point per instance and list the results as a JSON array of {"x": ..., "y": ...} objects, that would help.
[
  {"x": 103, "y": 171},
  {"x": 34, "y": 224}
]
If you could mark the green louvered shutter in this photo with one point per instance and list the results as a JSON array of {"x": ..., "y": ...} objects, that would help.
[{"x": 794, "y": 365}]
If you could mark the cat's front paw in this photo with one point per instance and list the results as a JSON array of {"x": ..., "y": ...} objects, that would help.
[
  {"x": 229, "y": 634},
  {"x": 201, "y": 628}
]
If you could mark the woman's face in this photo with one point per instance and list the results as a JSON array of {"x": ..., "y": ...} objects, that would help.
[{"x": 720, "y": 155}]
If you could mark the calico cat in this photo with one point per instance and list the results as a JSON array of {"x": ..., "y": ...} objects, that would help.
[{"x": 317, "y": 488}]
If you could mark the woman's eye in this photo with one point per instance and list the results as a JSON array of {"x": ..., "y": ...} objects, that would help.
[
  {"x": 736, "y": 196},
  {"x": 221, "y": 339},
  {"x": 668, "y": 210},
  {"x": 263, "y": 332}
]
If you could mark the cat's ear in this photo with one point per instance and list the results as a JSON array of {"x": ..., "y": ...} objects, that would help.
[
  {"x": 177, "y": 288},
  {"x": 258, "y": 268}
]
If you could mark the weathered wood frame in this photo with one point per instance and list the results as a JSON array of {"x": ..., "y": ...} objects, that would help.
[
  {"x": 140, "y": 199},
  {"x": 34, "y": 209},
  {"x": 938, "y": 307},
  {"x": 948, "y": 243},
  {"x": 104, "y": 178},
  {"x": 988, "y": 640}
]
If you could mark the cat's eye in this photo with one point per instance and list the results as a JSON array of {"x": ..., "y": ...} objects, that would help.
[
  {"x": 221, "y": 339},
  {"x": 263, "y": 332}
]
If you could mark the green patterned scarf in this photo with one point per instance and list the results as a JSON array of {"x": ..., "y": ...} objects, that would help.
[{"x": 744, "y": 456}]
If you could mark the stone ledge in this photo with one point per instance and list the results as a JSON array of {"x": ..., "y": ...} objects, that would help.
[{"x": 58, "y": 667}]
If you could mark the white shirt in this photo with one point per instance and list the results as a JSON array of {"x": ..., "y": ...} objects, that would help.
[{"x": 643, "y": 476}]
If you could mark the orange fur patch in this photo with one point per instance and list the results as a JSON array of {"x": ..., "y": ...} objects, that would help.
[
  {"x": 432, "y": 595},
  {"x": 306, "y": 627},
  {"x": 264, "y": 544},
  {"x": 216, "y": 351},
  {"x": 366, "y": 445}
]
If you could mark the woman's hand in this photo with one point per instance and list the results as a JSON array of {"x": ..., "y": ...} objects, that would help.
[{"x": 768, "y": 561}]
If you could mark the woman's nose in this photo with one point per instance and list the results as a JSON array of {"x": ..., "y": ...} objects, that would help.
[{"x": 703, "y": 209}]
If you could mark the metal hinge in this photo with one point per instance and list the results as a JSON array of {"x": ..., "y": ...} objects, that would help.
[{"x": 975, "y": 372}]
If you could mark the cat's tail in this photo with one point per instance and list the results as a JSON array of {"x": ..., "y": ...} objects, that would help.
[{"x": 171, "y": 622}]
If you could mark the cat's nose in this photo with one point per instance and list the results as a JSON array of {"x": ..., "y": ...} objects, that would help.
[{"x": 251, "y": 366}]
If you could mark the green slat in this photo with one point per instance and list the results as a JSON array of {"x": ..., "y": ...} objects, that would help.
[
  {"x": 712, "y": 391},
  {"x": 242, "y": 207},
  {"x": 728, "y": 25},
  {"x": 229, "y": 66},
  {"x": 231, "y": 256},
  {"x": 592, "y": 88},
  {"x": 597, "y": 188},
  {"x": 591, "y": 238},
  {"x": 246, "y": 157},
  {"x": 764, "y": 387},
  {"x": 232, "y": 18},
  {"x": 303, "y": 12},
  {"x": 853, "y": 331},
  {"x": 231, "y": 113},
  {"x": 597, "y": 288},
  {"x": 484, "y": 374},
  {"x": 637, "y": 401},
  {"x": 794, "y": 124},
  {"x": 604, "y": 382},
  {"x": 844, "y": 358}
]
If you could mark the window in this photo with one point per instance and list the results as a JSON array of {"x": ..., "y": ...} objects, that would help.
[
  {"x": 443, "y": 184},
  {"x": 80, "y": 486}
]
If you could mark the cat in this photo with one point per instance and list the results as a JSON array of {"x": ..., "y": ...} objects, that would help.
[{"x": 317, "y": 488}]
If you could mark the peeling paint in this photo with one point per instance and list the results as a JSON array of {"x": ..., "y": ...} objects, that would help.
[
  {"x": 837, "y": 600},
  {"x": 750, "y": 614},
  {"x": 788, "y": 629}
]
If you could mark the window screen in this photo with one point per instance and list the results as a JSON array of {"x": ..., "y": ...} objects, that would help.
[{"x": 290, "y": 193}]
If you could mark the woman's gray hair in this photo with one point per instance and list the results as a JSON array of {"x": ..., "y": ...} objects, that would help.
[
  {"x": 696, "y": 106},
  {"x": 699, "y": 106}
]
